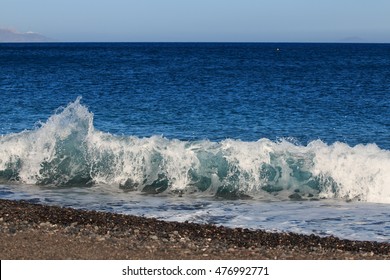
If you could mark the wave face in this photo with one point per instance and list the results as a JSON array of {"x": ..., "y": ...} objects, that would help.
[{"x": 68, "y": 151}]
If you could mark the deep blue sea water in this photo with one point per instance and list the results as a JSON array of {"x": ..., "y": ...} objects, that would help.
[{"x": 289, "y": 137}]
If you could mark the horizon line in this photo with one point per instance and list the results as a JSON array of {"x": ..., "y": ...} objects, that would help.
[{"x": 189, "y": 42}]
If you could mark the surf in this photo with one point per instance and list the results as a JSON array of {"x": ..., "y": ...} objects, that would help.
[{"x": 67, "y": 151}]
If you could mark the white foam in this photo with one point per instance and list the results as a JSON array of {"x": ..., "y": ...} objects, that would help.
[
  {"x": 362, "y": 171},
  {"x": 70, "y": 147}
]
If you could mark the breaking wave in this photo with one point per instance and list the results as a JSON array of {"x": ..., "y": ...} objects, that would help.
[{"x": 67, "y": 150}]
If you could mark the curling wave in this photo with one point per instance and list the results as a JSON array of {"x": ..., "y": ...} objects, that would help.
[{"x": 67, "y": 150}]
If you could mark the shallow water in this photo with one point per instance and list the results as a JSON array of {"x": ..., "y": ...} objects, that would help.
[{"x": 347, "y": 220}]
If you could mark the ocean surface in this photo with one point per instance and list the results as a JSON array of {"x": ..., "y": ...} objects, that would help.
[{"x": 276, "y": 136}]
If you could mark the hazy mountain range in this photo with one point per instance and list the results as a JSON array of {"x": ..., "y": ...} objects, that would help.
[{"x": 9, "y": 35}]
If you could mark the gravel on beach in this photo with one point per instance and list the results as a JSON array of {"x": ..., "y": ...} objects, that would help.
[{"x": 34, "y": 231}]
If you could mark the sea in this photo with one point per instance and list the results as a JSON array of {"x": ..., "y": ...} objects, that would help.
[{"x": 284, "y": 137}]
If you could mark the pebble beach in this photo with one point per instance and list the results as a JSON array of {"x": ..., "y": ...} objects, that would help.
[{"x": 34, "y": 231}]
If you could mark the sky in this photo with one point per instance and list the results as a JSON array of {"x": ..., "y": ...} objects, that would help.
[{"x": 201, "y": 20}]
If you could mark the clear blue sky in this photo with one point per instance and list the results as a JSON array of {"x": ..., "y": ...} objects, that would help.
[{"x": 201, "y": 20}]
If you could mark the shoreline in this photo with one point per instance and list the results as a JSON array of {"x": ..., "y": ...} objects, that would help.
[{"x": 36, "y": 231}]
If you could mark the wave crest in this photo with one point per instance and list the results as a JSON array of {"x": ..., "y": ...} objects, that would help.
[{"x": 68, "y": 151}]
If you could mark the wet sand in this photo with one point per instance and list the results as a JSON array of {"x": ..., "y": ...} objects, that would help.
[{"x": 33, "y": 231}]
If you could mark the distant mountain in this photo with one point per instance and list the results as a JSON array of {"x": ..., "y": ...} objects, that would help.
[{"x": 8, "y": 35}]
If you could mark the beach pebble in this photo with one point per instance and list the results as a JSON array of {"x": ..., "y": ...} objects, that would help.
[
  {"x": 45, "y": 224},
  {"x": 194, "y": 241}
]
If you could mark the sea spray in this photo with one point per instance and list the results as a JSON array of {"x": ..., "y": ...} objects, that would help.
[{"x": 67, "y": 150}]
